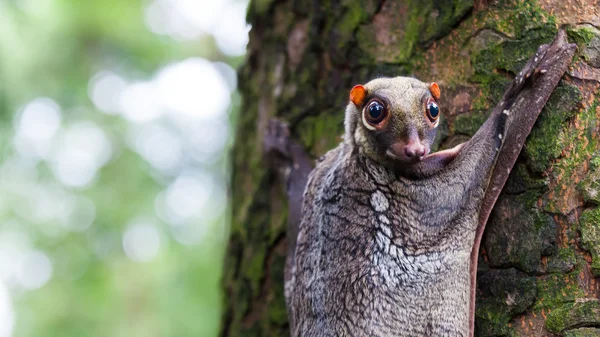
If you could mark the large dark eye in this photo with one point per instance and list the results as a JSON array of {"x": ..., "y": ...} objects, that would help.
[
  {"x": 375, "y": 112},
  {"x": 433, "y": 111}
]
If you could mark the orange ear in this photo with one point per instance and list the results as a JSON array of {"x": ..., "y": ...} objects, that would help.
[
  {"x": 434, "y": 89},
  {"x": 357, "y": 94}
]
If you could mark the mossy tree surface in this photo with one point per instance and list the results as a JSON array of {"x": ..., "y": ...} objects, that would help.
[{"x": 541, "y": 251}]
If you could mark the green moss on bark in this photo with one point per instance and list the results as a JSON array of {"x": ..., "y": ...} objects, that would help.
[
  {"x": 581, "y": 35},
  {"x": 583, "y": 332},
  {"x": 468, "y": 124},
  {"x": 547, "y": 139},
  {"x": 589, "y": 226},
  {"x": 503, "y": 294},
  {"x": 574, "y": 315},
  {"x": 442, "y": 17},
  {"x": 322, "y": 133},
  {"x": 555, "y": 290},
  {"x": 400, "y": 27},
  {"x": 590, "y": 185},
  {"x": 518, "y": 235},
  {"x": 581, "y": 142},
  {"x": 563, "y": 261}
]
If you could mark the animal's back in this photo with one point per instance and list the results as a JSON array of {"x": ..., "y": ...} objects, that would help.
[{"x": 371, "y": 260}]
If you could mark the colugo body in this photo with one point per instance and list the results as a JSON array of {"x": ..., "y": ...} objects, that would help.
[
  {"x": 386, "y": 233},
  {"x": 389, "y": 232}
]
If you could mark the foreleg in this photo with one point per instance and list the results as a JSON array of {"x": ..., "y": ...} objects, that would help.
[{"x": 510, "y": 124}]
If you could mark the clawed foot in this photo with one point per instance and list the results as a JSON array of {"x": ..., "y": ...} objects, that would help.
[{"x": 547, "y": 60}]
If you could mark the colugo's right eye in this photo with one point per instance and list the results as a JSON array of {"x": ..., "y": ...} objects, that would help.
[{"x": 375, "y": 112}]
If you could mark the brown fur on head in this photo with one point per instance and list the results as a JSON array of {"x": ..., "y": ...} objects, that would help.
[{"x": 405, "y": 122}]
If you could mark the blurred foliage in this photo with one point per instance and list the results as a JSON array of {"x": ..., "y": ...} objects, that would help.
[{"x": 51, "y": 48}]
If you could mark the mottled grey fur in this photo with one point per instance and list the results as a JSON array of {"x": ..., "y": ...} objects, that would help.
[
  {"x": 377, "y": 250},
  {"x": 386, "y": 249}
]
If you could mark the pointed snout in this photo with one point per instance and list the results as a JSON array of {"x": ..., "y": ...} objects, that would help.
[
  {"x": 414, "y": 150},
  {"x": 410, "y": 152}
]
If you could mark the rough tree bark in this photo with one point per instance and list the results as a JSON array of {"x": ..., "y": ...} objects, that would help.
[{"x": 540, "y": 254}]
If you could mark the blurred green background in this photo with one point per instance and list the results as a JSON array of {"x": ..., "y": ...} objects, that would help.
[{"x": 116, "y": 123}]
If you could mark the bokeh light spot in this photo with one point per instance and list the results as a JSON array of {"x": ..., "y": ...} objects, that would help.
[
  {"x": 188, "y": 194},
  {"x": 231, "y": 33},
  {"x": 138, "y": 102},
  {"x": 7, "y": 315},
  {"x": 193, "y": 88},
  {"x": 34, "y": 270},
  {"x": 141, "y": 242},
  {"x": 39, "y": 120},
  {"x": 160, "y": 146},
  {"x": 105, "y": 91},
  {"x": 84, "y": 148}
]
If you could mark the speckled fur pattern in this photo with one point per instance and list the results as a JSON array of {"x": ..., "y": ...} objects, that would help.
[
  {"x": 391, "y": 250},
  {"x": 376, "y": 250}
]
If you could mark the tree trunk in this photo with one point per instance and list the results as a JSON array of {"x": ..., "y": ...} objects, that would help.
[{"x": 541, "y": 250}]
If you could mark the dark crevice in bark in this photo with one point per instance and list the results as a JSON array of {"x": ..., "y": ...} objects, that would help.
[
  {"x": 465, "y": 16},
  {"x": 236, "y": 257},
  {"x": 483, "y": 29},
  {"x": 259, "y": 302},
  {"x": 509, "y": 75}
]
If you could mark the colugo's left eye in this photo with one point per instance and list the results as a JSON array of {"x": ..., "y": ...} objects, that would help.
[{"x": 433, "y": 111}]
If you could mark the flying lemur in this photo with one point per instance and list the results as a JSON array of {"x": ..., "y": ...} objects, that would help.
[{"x": 387, "y": 237}]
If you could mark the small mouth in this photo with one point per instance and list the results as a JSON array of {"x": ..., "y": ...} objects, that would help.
[{"x": 403, "y": 158}]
